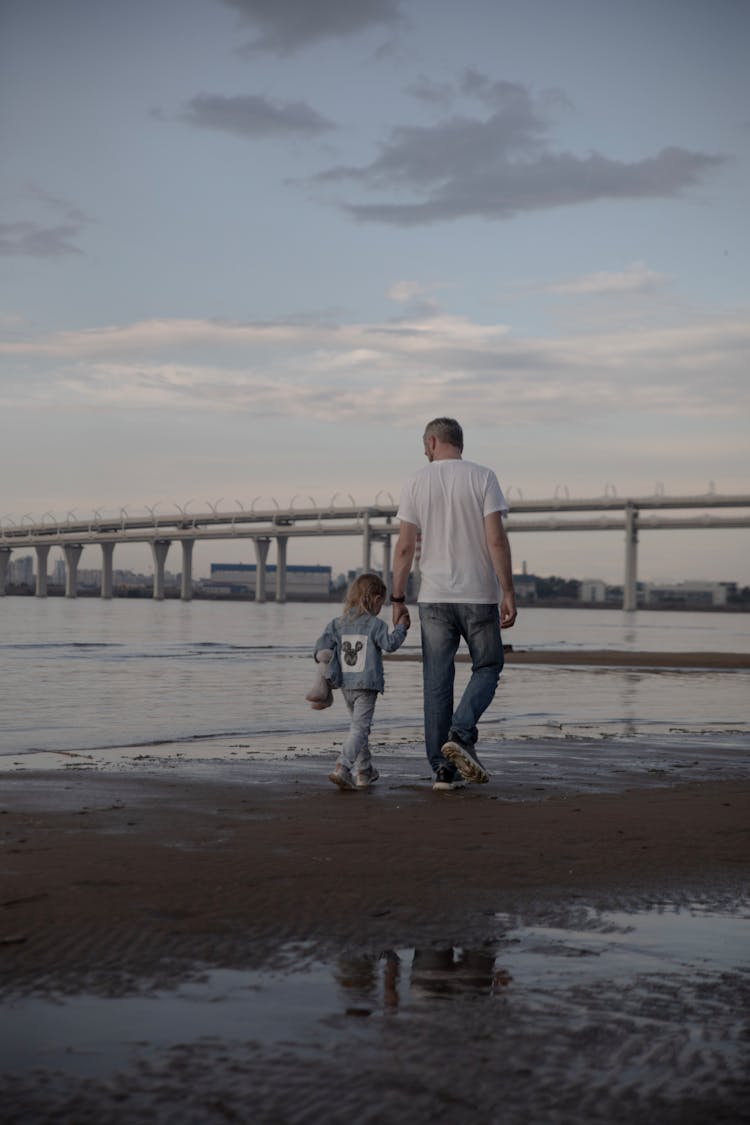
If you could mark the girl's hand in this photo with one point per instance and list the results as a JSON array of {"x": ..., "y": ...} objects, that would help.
[{"x": 405, "y": 619}]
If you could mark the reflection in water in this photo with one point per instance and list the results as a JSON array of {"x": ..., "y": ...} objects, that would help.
[
  {"x": 627, "y": 1016},
  {"x": 629, "y": 707},
  {"x": 456, "y": 972},
  {"x": 360, "y": 978},
  {"x": 451, "y": 971}
]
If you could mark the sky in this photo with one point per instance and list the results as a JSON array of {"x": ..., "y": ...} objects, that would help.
[{"x": 248, "y": 248}]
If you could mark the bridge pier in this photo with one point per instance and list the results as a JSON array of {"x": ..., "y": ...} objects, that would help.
[
  {"x": 387, "y": 564},
  {"x": 108, "y": 550},
  {"x": 4, "y": 560},
  {"x": 42, "y": 551},
  {"x": 72, "y": 552},
  {"x": 630, "y": 588},
  {"x": 281, "y": 545},
  {"x": 261, "y": 554},
  {"x": 366, "y": 542},
  {"x": 386, "y": 541},
  {"x": 186, "y": 592},
  {"x": 159, "y": 548}
]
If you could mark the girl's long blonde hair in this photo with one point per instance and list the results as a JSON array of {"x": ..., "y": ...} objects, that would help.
[{"x": 361, "y": 595}]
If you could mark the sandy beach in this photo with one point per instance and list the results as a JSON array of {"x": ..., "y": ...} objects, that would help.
[
  {"x": 127, "y": 872},
  {"x": 199, "y": 927},
  {"x": 116, "y": 884}
]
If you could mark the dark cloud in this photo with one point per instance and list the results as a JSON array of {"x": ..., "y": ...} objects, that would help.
[
  {"x": 497, "y": 166},
  {"x": 285, "y": 25},
  {"x": 32, "y": 240},
  {"x": 425, "y": 156},
  {"x": 251, "y": 115},
  {"x": 69, "y": 211},
  {"x": 498, "y": 94},
  {"x": 433, "y": 93}
]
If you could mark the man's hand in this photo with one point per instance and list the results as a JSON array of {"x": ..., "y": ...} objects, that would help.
[
  {"x": 499, "y": 549},
  {"x": 508, "y": 611},
  {"x": 402, "y": 560},
  {"x": 401, "y": 613}
]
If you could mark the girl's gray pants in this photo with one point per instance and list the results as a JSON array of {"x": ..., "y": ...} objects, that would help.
[{"x": 360, "y": 702}]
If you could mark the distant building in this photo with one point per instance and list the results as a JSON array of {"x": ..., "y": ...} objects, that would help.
[
  {"x": 130, "y": 580},
  {"x": 302, "y": 582},
  {"x": 89, "y": 579},
  {"x": 652, "y": 595},
  {"x": 21, "y": 571},
  {"x": 699, "y": 594},
  {"x": 593, "y": 591},
  {"x": 525, "y": 586}
]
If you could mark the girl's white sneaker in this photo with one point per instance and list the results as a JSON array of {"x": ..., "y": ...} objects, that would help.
[
  {"x": 367, "y": 777},
  {"x": 342, "y": 777}
]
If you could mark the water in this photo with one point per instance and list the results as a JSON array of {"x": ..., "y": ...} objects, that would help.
[
  {"x": 626, "y": 1016},
  {"x": 535, "y": 964},
  {"x": 88, "y": 674}
]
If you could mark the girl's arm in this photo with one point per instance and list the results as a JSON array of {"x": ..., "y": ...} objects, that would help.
[
  {"x": 327, "y": 639},
  {"x": 386, "y": 641}
]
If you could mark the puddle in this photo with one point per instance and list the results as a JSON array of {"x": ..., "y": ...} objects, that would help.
[
  {"x": 89, "y": 1034},
  {"x": 665, "y": 958},
  {"x": 620, "y": 945}
]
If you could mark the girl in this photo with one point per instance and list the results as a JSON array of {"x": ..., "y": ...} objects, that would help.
[{"x": 356, "y": 641}]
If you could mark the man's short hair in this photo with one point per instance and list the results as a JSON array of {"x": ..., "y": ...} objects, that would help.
[{"x": 446, "y": 430}]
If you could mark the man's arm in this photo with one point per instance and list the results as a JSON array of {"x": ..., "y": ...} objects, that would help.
[
  {"x": 403, "y": 556},
  {"x": 499, "y": 549}
]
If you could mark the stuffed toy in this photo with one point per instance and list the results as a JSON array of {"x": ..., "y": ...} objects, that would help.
[{"x": 320, "y": 694}]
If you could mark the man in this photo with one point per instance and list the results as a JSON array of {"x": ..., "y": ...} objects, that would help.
[{"x": 458, "y": 508}]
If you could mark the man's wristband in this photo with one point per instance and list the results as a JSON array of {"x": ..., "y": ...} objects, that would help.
[{"x": 398, "y": 601}]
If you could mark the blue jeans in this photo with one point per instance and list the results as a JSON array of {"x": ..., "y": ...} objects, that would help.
[{"x": 443, "y": 625}]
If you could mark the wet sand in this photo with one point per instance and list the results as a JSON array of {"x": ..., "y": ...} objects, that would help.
[
  {"x": 127, "y": 872},
  {"x": 110, "y": 875},
  {"x": 113, "y": 883}
]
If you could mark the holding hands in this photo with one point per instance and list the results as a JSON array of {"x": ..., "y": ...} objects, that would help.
[{"x": 400, "y": 614}]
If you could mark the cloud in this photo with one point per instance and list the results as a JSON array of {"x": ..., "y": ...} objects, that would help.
[
  {"x": 38, "y": 239},
  {"x": 501, "y": 164},
  {"x": 498, "y": 94},
  {"x": 388, "y": 371},
  {"x": 424, "y": 89},
  {"x": 407, "y": 291},
  {"x": 69, "y": 211},
  {"x": 33, "y": 240},
  {"x": 425, "y": 156},
  {"x": 285, "y": 26},
  {"x": 419, "y": 298},
  {"x": 251, "y": 115},
  {"x": 635, "y": 278}
]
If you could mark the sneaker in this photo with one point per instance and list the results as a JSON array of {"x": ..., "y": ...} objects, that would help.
[
  {"x": 342, "y": 776},
  {"x": 367, "y": 777},
  {"x": 446, "y": 778},
  {"x": 465, "y": 761}
]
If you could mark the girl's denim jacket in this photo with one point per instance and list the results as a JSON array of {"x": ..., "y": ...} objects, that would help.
[{"x": 357, "y": 644}]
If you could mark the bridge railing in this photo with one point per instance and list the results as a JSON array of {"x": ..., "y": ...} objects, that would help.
[{"x": 48, "y": 529}]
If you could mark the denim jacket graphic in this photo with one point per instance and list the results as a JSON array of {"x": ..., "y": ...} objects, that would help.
[{"x": 357, "y": 644}]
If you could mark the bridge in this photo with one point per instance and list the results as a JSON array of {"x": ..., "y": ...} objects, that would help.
[{"x": 372, "y": 523}]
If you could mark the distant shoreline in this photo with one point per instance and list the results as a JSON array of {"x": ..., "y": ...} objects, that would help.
[{"x": 145, "y": 593}]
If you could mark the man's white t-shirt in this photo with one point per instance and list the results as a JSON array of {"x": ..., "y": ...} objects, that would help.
[{"x": 448, "y": 501}]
